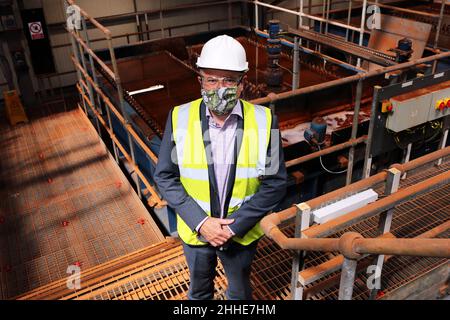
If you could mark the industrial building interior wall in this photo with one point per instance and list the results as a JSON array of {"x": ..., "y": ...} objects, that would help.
[
  {"x": 60, "y": 41},
  {"x": 314, "y": 7}
]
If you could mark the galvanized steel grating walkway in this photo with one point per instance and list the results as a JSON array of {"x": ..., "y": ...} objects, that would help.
[
  {"x": 64, "y": 202},
  {"x": 163, "y": 274}
]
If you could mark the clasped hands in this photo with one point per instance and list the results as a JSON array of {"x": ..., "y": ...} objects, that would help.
[{"x": 216, "y": 231}]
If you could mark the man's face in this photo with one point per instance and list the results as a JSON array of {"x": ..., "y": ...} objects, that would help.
[{"x": 212, "y": 79}]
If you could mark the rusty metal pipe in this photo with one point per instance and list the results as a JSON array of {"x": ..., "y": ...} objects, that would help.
[
  {"x": 353, "y": 245},
  {"x": 404, "y": 247},
  {"x": 314, "y": 155},
  {"x": 324, "y": 245},
  {"x": 435, "y": 231},
  {"x": 362, "y": 265}
]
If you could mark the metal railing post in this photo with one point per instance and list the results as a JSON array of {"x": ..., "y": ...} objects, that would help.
[
  {"x": 327, "y": 15},
  {"x": 138, "y": 27},
  {"x": 384, "y": 225},
  {"x": 300, "y": 18},
  {"x": 351, "y": 154},
  {"x": 91, "y": 60},
  {"x": 438, "y": 32},
  {"x": 368, "y": 154},
  {"x": 296, "y": 65},
  {"x": 302, "y": 222},
  {"x": 443, "y": 144},
  {"x": 161, "y": 20},
  {"x": 90, "y": 90},
  {"x": 79, "y": 76},
  {"x": 256, "y": 16},
  {"x": 349, "y": 16},
  {"x": 361, "y": 30},
  {"x": 407, "y": 155},
  {"x": 347, "y": 279},
  {"x": 147, "y": 28}
]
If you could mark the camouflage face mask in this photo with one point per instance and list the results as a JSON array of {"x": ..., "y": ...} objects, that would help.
[{"x": 220, "y": 101}]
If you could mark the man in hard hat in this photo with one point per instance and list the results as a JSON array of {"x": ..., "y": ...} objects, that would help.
[{"x": 221, "y": 168}]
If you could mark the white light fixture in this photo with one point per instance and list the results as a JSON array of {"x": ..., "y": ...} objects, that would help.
[{"x": 149, "y": 89}]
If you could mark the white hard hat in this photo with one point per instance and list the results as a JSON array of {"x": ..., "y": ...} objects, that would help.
[{"x": 224, "y": 53}]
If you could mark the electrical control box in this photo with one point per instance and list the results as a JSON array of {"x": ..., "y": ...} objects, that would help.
[
  {"x": 417, "y": 107},
  {"x": 409, "y": 110}
]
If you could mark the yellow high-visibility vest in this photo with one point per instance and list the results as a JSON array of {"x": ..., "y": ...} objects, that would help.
[{"x": 192, "y": 162}]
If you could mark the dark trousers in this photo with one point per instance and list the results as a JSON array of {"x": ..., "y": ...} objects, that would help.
[{"x": 236, "y": 260}]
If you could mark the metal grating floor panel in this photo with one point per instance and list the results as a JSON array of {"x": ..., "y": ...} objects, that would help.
[
  {"x": 165, "y": 275},
  {"x": 64, "y": 201}
]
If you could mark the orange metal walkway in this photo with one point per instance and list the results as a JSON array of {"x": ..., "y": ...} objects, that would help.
[{"x": 64, "y": 201}]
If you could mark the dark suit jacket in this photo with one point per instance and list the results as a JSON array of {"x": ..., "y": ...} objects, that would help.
[{"x": 167, "y": 177}]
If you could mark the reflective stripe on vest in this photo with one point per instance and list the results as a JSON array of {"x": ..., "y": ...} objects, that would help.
[{"x": 193, "y": 166}]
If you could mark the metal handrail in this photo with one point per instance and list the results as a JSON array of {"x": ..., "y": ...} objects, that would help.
[
  {"x": 154, "y": 199},
  {"x": 270, "y": 223},
  {"x": 313, "y": 243},
  {"x": 353, "y": 246}
]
